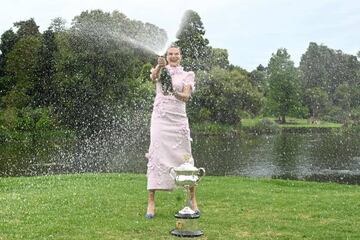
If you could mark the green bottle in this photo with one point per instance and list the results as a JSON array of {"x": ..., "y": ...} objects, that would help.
[{"x": 165, "y": 80}]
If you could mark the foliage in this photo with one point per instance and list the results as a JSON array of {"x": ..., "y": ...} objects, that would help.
[
  {"x": 223, "y": 95},
  {"x": 265, "y": 125},
  {"x": 96, "y": 70},
  {"x": 317, "y": 101},
  {"x": 218, "y": 58},
  {"x": 329, "y": 72},
  {"x": 259, "y": 79},
  {"x": 194, "y": 46},
  {"x": 81, "y": 76},
  {"x": 27, "y": 119},
  {"x": 21, "y": 65},
  {"x": 7, "y": 41},
  {"x": 283, "y": 85}
]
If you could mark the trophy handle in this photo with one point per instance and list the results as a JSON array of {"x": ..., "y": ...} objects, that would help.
[
  {"x": 171, "y": 172},
  {"x": 201, "y": 173}
]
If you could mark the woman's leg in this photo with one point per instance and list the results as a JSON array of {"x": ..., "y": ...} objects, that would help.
[
  {"x": 194, "y": 205},
  {"x": 151, "y": 203}
]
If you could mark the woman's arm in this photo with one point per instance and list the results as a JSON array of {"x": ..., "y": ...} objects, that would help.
[
  {"x": 155, "y": 72},
  {"x": 185, "y": 94}
]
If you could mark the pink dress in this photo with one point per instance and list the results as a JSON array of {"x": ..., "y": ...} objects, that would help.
[{"x": 170, "y": 141}]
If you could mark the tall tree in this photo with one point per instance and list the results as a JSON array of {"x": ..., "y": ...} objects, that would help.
[
  {"x": 45, "y": 71},
  {"x": 21, "y": 64},
  {"x": 194, "y": 46},
  {"x": 98, "y": 65},
  {"x": 218, "y": 58},
  {"x": 58, "y": 25},
  {"x": 317, "y": 101},
  {"x": 223, "y": 95},
  {"x": 324, "y": 70},
  {"x": 27, "y": 28},
  {"x": 7, "y": 42},
  {"x": 258, "y": 78},
  {"x": 283, "y": 84}
]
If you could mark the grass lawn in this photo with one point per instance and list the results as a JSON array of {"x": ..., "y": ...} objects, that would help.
[
  {"x": 112, "y": 206},
  {"x": 250, "y": 124},
  {"x": 292, "y": 123}
]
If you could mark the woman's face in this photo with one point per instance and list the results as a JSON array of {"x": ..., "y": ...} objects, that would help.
[{"x": 173, "y": 56}]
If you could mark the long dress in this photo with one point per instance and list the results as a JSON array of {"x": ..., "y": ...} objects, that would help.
[{"x": 170, "y": 141}]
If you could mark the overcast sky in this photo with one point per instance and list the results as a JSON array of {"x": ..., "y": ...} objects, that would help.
[{"x": 251, "y": 30}]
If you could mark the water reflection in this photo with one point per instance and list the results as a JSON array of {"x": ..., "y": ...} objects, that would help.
[
  {"x": 320, "y": 156},
  {"x": 326, "y": 156}
]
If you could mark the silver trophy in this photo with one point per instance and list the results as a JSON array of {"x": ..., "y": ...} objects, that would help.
[{"x": 187, "y": 176}]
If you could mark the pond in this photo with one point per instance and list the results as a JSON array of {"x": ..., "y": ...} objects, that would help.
[{"x": 327, "y": 155}]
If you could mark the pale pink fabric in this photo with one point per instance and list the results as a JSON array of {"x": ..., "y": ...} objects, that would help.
[{"x": 170, "y": 139}]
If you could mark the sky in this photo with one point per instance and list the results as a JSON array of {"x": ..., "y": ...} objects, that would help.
[{"x": 251, "y": 30}]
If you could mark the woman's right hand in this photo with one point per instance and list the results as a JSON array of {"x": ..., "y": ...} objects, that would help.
[
  {"x": 161, "y": 62},
  {"x": 156, "y": 72}
]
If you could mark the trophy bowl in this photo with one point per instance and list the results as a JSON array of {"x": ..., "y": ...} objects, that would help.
[{"x": 187, "y": 176}]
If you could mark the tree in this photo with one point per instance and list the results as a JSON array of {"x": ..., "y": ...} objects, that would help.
[
  {"x": 27, "y": 28},
  {"x": 45, "y": 71},
  {"x": 259, "y": 78},
  {"x": 317, "y": 101},
  {"x": 8, "y": 40},
  {"x": 343, "y": 95},
  {"x": 58, "y": 25},
  {"x": 194, "y": 47},
  {"x": 283, "y": 84},
  {"x": 326, "y": 69},
  {"x": 21, "y": 64},
  {"x": 223, "y": 95},
  {"x": 98, "y": 68},
  {"x": 218, "y": 58}
]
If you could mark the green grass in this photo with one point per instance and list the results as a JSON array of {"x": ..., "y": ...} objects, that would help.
[
  {"x": 255, "y": 125},
  {"x": 291, "y": 123},
  {"x": 112, "y": 206},
  {"x": 214, "y": 128}
]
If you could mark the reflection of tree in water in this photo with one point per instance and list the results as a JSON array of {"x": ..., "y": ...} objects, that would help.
[
  {"x": 337, "y": 149},
  {"x": 212, "y": 148},
  {"x": 285, "y": 152},
  {"x": 231, "y": 155}
]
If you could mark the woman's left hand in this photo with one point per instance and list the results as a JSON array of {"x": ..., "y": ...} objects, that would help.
[{"x": 184, "y": 95}]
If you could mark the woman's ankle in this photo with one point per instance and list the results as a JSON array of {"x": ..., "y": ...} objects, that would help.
[
  {"x": 151, "y": 208},
  {"x": 194, "y": 205}
]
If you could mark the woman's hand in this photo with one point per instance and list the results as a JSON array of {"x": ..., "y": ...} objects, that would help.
[
  {"x": 184, "y": 95},
  {"x": 161, "y": 64}
]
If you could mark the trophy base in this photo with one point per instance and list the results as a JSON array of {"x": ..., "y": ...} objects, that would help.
[
  {"x": 189, "y": 234},
  {"x": 187, "y": 224},
  {"x": 187, "y": 213}
]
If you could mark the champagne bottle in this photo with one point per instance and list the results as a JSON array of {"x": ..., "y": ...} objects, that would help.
[{"x": 165, "y": 80}]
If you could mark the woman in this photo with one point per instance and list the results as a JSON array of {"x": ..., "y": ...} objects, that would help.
[{"x": 169, "y": 133}]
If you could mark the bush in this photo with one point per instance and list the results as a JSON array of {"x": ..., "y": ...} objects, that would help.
[
  {"x": 8, "y": 118},
  {"x": 336, "y": 114},
  {"x": 26, "y": 119},
  {"x": 266, "y": 125},
  {"x": 45, "y": 121},
  {"x": 204, "y": 115},
  {"x": 4, "y": 134},
  {"x": 355, "y": 116}
]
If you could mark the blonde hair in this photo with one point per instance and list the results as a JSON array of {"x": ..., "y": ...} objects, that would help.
[{"x": 173, "y": 45}]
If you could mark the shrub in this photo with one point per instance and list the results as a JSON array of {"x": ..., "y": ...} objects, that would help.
[{"x": 266, "y": 125}]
